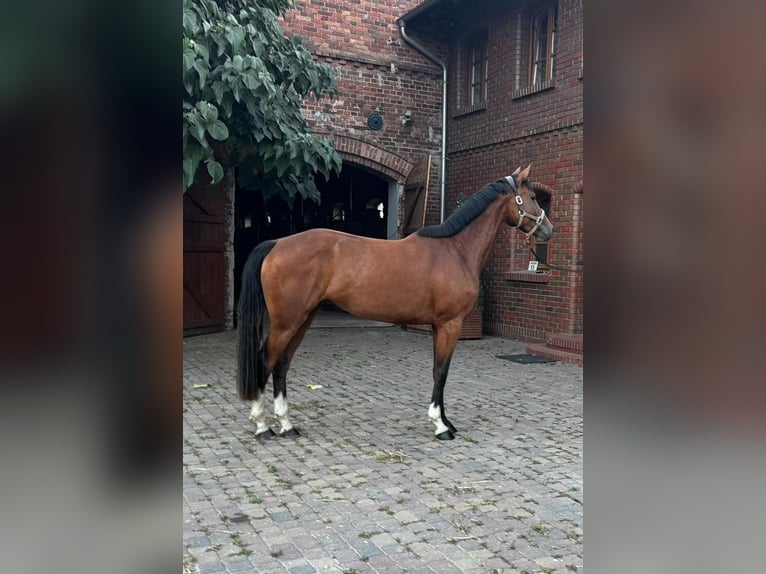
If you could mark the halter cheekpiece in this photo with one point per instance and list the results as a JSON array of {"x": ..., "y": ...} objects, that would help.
[{"x": 522, "y": 214}]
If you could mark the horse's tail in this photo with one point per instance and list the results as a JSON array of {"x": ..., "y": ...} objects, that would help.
[{"x": 252, "y": 327}]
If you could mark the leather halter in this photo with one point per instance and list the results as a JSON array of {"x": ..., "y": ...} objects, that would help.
[{"x": 522, "y": 214}]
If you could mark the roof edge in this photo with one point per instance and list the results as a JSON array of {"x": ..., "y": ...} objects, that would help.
[{"x": 418, "y": 10}]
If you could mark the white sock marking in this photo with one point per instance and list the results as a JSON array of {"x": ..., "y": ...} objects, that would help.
[
  {"x": 435, "y": 414},
  {"x": 280, "y": 410},
  {"x": 256, "y": 415}
]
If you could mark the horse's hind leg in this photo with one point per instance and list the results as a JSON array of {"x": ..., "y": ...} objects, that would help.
[
  {"x": 278, "y": 339},
  {"x": 280, "y": 378},
  {"x": 257, "y": 412},
  {"x": 445, "y": 339}
]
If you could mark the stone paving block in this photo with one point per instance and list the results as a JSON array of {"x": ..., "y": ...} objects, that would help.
[
  {"x": 345, "y": 556},
  {"x": 383, "y": 539},
  {"x": 211, "y": 567},
  {"x": 444, "y": 566},
  {"x": 467, "y": 563},
  {"x": 505, "y": 495},
  {"x": 284, "y": 516},
  {"x": 404, "y": 536},
  {"x": 267, "y": 565},
  {"x": 197, "y": 541},
  {"x": 384, "y": 563},
  {"x": 325, "y": 564},
  {"x": 496, "y": 563},
  {"x": 534, "y": 552},
  {"x": 301, "y": 569},
  {"x": 407, "y": 517},
  {"x": 480, "y": 555},
  {"x": 549, "y": 563},
  {"x": 369, "y": 549}
]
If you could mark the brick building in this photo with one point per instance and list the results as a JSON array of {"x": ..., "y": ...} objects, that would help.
[
  {"x": 514, "y": 96},
  {"x": 387, "y": 118}
]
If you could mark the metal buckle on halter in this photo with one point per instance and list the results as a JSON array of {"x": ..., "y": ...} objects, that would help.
[
  {"x": 519, "y": 200},
  {"x": 538, "y": 221}
]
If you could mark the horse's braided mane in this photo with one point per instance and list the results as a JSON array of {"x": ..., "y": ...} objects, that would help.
[{"x": 469, "y": 210}]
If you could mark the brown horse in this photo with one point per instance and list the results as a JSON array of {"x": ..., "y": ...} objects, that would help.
[{"x": 431, "y": 277}]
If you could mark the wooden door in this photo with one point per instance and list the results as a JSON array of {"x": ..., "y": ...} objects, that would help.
[
  {"x": 204, "y": 265},
  {"x": 416, "y": 195}
]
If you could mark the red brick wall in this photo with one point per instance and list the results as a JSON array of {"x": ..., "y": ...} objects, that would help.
[
  {"x": 543, "y": 128},
  {"x": 376, "y": 72}
]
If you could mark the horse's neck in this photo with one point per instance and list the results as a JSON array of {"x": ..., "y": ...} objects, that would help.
[{"x": 477, "y": 239}]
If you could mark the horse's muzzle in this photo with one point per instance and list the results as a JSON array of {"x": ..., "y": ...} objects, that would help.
[{"x": 545, "y": 231}]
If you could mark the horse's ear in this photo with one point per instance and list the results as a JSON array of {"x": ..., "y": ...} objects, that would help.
[
  {"x": 524, "y": 174},
  {"x": 518, "y": 169}
]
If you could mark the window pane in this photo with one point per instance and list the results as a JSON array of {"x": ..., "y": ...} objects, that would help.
[
  {"x": 541, "y": 250},
  {"x": 475, "y": 62},
  {"x": 542, "y": 45},
  {"x": 477, "y": 74}
]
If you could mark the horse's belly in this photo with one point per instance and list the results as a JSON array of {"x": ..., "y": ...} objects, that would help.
[{"x": 384, "y": 308}]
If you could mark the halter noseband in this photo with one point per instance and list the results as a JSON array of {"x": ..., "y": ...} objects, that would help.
[{"x": 522, "y": 214}]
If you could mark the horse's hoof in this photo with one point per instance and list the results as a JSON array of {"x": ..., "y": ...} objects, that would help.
[
  {"x": 446, "y": 435},
  {"x": 291, "y": 433},
  {"x": 266, "y": 435}
]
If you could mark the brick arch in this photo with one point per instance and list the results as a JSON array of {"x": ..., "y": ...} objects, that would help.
[
  {"x": 368, "y": 155},
  {"x": 539, "y": 186}
]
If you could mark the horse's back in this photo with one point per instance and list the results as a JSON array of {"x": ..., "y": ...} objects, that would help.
[
  {"x": 331, "y": 246},
  {"x": 323, "y": 237},
  {"x": 319, "y": 255}
]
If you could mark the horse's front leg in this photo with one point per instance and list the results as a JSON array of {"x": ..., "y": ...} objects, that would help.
[{"x": 445, "y": 339}]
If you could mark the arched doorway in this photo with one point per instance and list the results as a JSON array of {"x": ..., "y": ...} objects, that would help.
[{"x": 356, "y": 201}]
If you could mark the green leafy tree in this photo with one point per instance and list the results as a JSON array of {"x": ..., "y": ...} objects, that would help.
[{"x": 244, "y": 83}]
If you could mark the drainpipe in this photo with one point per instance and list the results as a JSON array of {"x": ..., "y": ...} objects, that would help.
[{"x": 443, "y": 66}]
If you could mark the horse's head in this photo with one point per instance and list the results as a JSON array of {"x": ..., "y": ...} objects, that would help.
[{"x": 522, "y": 209}]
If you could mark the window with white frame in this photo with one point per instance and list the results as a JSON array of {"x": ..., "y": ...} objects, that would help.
[{"x": 543, "y": 28}]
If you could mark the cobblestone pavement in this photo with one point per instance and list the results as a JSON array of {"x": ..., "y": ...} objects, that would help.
[{"x": 367, "y": 487}]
